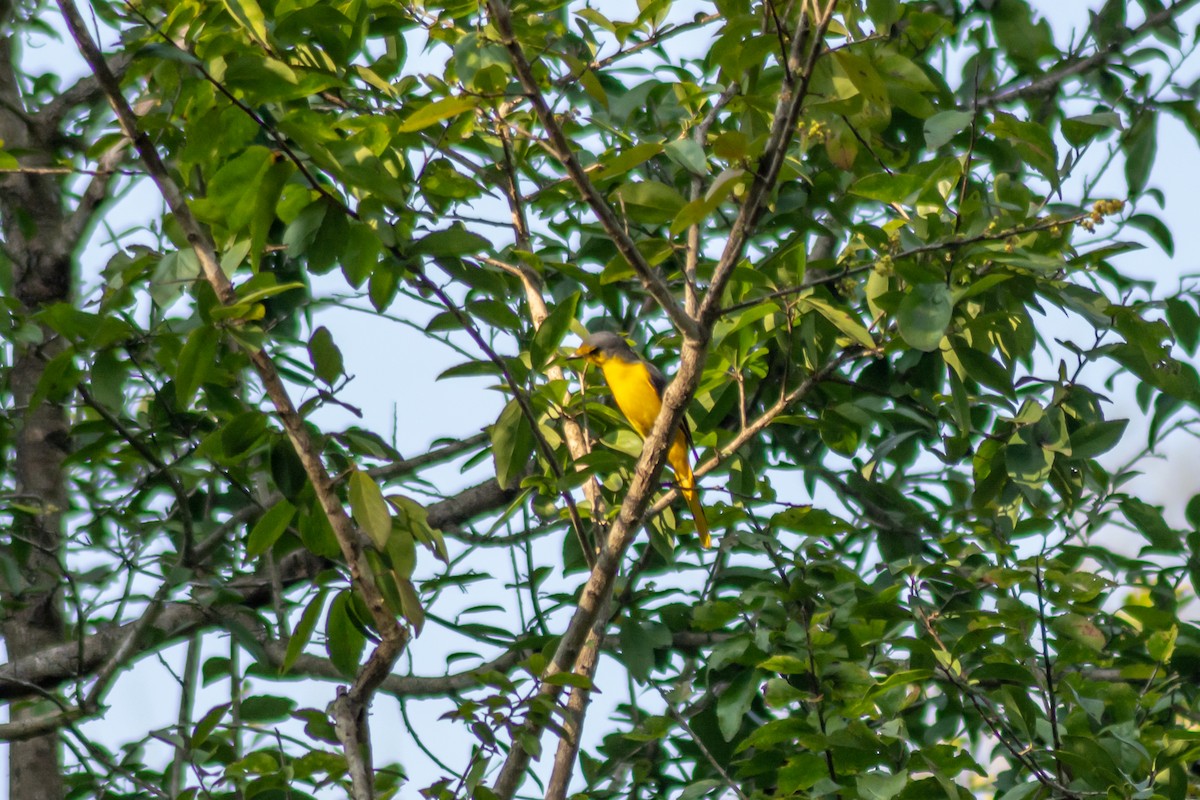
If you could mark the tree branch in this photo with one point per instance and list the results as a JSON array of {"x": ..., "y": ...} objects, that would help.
[
  {"x": 1051, "y": 80},
  {"x": 810, "y": 35},
  {"x": 561, "y": 147},
  {"x": 394, "y": 636},
  {"x": 598, "y": 588},
  {"x": 577, "y": 705},
  {"x": 55, "y": 665},
  {"x": 435, "y": 456}
]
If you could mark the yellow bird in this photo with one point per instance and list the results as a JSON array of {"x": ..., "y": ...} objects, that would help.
[{"x": 638, "y": 386}]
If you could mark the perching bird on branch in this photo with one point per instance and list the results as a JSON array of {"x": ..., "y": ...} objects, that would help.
[{"x": 638, "y": 386}]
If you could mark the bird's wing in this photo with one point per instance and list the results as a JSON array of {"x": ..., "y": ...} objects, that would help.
[
  {"x": 657, "y": 379},
  {"x": 660, "y": 386}
]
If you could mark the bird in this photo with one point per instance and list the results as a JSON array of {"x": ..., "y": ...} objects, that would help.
[{"x": 638, "y": 386}]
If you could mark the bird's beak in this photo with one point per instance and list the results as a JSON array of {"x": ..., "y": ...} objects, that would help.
[{"x": 583, "y": 351}]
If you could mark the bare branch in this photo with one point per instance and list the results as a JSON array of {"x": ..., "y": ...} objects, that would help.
[
  {"x": 572, "y": 727},
  {"x": 434, "y": 456},
  {"x": 86, "y": 91}
]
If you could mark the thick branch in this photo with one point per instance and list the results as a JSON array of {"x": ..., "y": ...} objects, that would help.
[
  {"x": 577, "y": 705},
  {"x": 58, "y": 664},
  {"x": 598, "y": 589},
  {"x": 53, "y": 666}
]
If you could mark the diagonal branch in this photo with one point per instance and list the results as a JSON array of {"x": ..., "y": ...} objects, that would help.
[
  {"x": 809, "y": 35},
  {"x": 538, "y": 311},
  {"x": 577, "y": 705},
  {"x": 1051, "y": 80},
  {"x": 394, "y": 637},
  {"x": 560, "y": 145},
  {"x": 598, "y": 588},
  {"x": 55, "y": 665}
]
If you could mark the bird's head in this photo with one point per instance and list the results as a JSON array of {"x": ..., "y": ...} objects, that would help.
[{"x": 603, "y": 346}]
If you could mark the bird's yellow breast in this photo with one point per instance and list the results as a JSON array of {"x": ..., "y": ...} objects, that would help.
[{"x": 634, "y": 392}]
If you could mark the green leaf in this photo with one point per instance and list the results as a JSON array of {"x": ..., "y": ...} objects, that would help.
[
  {"x": 266, "y": 708},
  {"x": 1161, "y": 644},
  {"x": 841, "y": 319},
  {"x": 1097, "y": 438},
  {"x": 414, "y": 612},
  {"x": 877, "y": 786},
  {"x": 1157, "y": 230},
  {"x": 512, "y": 444},
  {"x": 414, "y": 518},
  {"x": 1032, "y": 143},
  {"x": 344, "y": 642},
  {"x": 701, "y": 207},
  {"x": 650, "y": 202},
  {"x": 734, "y": 703},
  {"x": 943, "y": 126},
  {"x": 207, "y": 724},
  {"x": 302, "y": 634},
  {"x": 1141, "y": 146},
  {"x": 924, "y": 314},
  {"x": 436, "y": 112},
  {"x": 636, "y": 649},
  {"x": 853, "y": 75},
  {"x": 250, "y": 15},
  {"x": 627, "y": 159},
  {"x": 1080, "y": 130},
  {"x": 696, "y": 790},
  {"x": 302, "y": 230},
  {"x": 1149, "y": 521},
  {"x": 360, "y": 253},
  {"x": 325, "y": 356},
  {"x": 552, "y": 330},
  {"x": 453, "y": 242},
  {"x": 1080, "y": 629},
  {"x": 785, "y": 664},
  {"x": 369, "y": 508},
  {"x": 689, "y": 155},
  {"x": 811, "y": 522},
  {"x": 801, "y": 772},
  {"x": 1028, "y": 463},
  {"x": 197, "y": 357},
  {"x": 232, "y": 193},
  {"x": 269, "y": 528},
  {"x": 1185, "y": 323},
  {"x": 888, "y": 188}
]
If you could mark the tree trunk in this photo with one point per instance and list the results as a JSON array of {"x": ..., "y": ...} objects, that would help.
[{"x": 33, "y": 227}]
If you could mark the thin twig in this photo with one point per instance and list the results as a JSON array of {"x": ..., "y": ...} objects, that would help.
[{"x": 1051, "y": 80}]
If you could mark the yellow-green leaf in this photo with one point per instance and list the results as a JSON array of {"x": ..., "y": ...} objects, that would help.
[{"x": 369, "y": 508}]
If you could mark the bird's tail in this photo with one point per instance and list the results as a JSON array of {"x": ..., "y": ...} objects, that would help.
[{"x": 687, "y": 488}]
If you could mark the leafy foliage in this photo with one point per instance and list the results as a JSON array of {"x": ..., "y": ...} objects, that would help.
[{"x": 933, "y": 577}]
